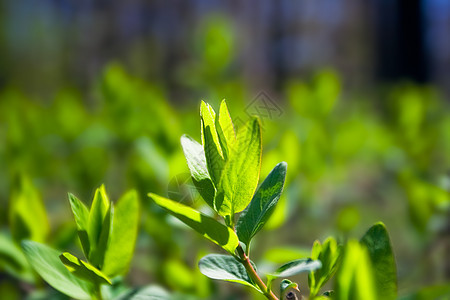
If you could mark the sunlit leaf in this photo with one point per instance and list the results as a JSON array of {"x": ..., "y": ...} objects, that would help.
[
  {"x": 225, "y": 267},
  {"x": 100, "y": 207},
  {"x": 98, "y": 254},
  {"x": 81, "y": 215},
  {"x": 206, "y": 226},
  {"x": 329, "y": 254},
  {"x": 262, "y": 205},
  {"x": 241, "y": 172},
  {"x": 123, "y": 236},
  {"x": 83, "y": 270},
  {"x": 195, "y": 157},
  {"x": 354, "y": 280},
  {"x": 45, "y": 261},
  {"x": 383, "y": 261},
  {"x": 225, "y": 129},
  {"x": 213, "y": 152}
]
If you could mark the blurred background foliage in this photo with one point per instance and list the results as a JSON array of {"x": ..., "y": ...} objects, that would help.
[{"x": 93, "y": 92}]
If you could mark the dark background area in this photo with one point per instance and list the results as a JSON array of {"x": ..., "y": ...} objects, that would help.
[{"x": 47, "y": 44}]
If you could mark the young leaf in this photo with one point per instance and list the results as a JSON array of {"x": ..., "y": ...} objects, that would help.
[
  {"x": 381, "y": 255},
  {"x": 206, "y": 226},
  {"x": 81, "y": 215},
  {"x": 285, "y": 286},
  {"x": 241, "y": 172},
  {"x": 225, "y": 129},
  {"x": 296, "y": 267},
  {"x": 45, "y": 261},
  {"x": 329, "y": 254},
  {"x": 82, "y": 269},
  {"x": 262, "y": 205},
  {"x": 123, "y": 236},
  {"x": 27, "y": 216},
  {"x": 354, "y": 280},
  {"x": 225, "y": 267},
  {"x": 98, "y": 254},
  {"x": 195, "y": 157},
  {"x": 213, "y": 152},
  {"x": 99, "y": 209}
]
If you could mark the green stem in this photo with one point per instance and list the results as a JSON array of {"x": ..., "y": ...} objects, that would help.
[
  {"x": 253, "y": 275},
  {"x": 98, "y": 292}
]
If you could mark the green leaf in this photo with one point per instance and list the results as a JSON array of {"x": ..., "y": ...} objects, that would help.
[
  {"x": 83, "y": 270},
  {"x": 195, "y": 157},
  {"x": 381, "y": 255},
  {"x": 13, "y": 261},
  {"x": 45, "y": 261},
  {"x": 215, "y": 160},
  {"x": 81, "y": 215},
  {"x": 296, "y": 267},
  {"x": 27, "y": 215},
  {"x": 225, "y": 267},
  {"x": 98, "y": 254},
  {"x": 100, "y": 208},
  {"x": 123, "y": 236},
  {"x": 225, "y": 129},
  {"x": 354, "y": 280},
  {"x": 206, "y": 226},
  {"x": 262, "y": 205},
  {"x": 285, "y": 286},
  {"x": 152, "y": 292},
  {"x": 329, "y": 254},
  {"x": 241, "y": 172}
]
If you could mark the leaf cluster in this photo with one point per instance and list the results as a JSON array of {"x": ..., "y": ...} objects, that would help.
[{"x": 107, "y": 233}]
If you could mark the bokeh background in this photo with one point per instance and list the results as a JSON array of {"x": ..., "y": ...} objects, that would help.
[{"x": 353, "y": 95}]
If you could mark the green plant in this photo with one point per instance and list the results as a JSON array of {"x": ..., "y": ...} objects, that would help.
[
  {"x": 107, "y": 233},
  {"x": 225, "y": 170}
]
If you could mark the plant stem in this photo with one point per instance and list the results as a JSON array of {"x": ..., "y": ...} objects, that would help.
[
  {"x": 253, "y": 275},
  {"x": 98, "y": 292}
]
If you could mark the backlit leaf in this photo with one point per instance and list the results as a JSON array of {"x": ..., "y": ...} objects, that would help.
[
  {"x": 83, "y": 270},
  {"x": 100, "y": 207},
  {"x": 225, "y": 267},
  {"x": 98, "y": 254},
  {"x": 215, "y": 160},
  {"x": 123, "y": 236},
  {"x": 241, "y": 172},
  {"x": 262, "y": 205},
  {"x": 329, "y": 254},
  {"x": 354, "y": 280},
  {"x": 81, "y": 215},
  {"x": 195, "y": 157},
  {"x": 206, "y": 226},
  {"x": 382, "y": 257},
  {"x": 45, "y": 261},
  {"x": 225, "y": 129}
]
